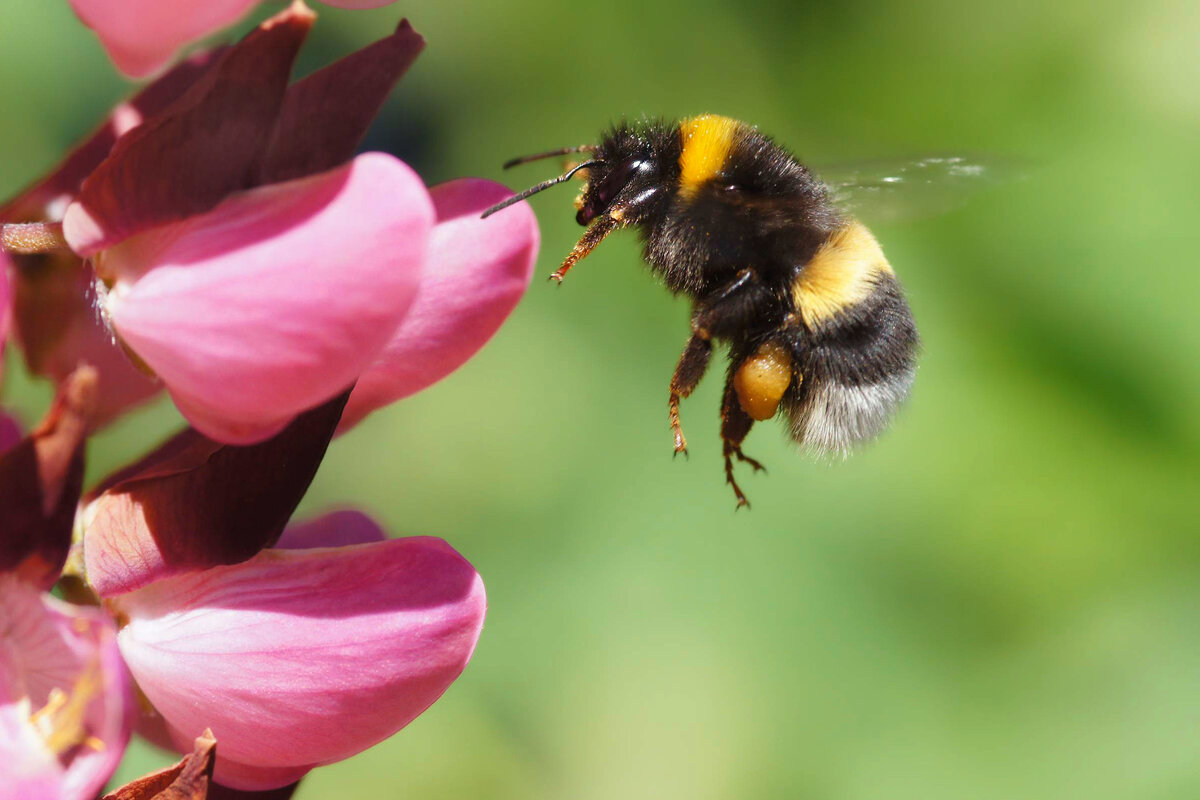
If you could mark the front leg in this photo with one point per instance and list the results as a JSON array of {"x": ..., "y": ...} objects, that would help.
[{"x": 688, "y": 373}]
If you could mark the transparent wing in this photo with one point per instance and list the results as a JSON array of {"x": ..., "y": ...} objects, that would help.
[{"x": 900, "y": 190}]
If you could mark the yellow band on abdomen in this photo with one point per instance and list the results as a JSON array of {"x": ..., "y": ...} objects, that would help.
[{"x": 841, "y": 274}]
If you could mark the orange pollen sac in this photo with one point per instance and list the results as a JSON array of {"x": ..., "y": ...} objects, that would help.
[{"x": 762, "y": 379}]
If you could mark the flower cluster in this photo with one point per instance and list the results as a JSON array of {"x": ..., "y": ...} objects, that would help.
[{"x": 219, "y": 239}]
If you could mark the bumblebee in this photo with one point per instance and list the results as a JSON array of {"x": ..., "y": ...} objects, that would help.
[{"x": 815, "y": 320}]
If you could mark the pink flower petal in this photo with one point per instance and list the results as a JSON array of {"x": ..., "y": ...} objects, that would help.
[
  {"x": 336, "y": 529},
  {"x": 277, "y": 299},
  {"x": 304, "y": 657},
  {"x": 47, "y": 646},
  {"x": 477, "y": 271},
  {"x": 141, "y": 36}
]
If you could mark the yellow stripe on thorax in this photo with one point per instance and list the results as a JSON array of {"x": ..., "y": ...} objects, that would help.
[
  {"x": 841, "y": 274},
  {"x": 707, "y": 140}
]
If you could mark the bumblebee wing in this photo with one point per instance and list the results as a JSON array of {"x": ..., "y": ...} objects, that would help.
[
  {"x": 906, "y": 189},
  {"x": 855, "y": 351}
]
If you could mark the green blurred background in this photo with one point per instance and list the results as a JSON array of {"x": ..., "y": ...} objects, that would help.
[{"x": 997, "y": 600}]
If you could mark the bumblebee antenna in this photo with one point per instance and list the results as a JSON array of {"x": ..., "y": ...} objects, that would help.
[
  {"x": 532, "y": 190},
  {"x": 562, "y": 151}
]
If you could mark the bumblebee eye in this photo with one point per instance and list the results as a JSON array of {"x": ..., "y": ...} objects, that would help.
[
  {"x": 602, "y": 192},
  {"x": 731, "y": 187}
]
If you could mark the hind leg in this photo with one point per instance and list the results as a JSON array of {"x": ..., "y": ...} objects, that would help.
[{"x": 735, "y": 425}]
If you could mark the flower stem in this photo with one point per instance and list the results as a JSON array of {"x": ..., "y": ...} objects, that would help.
[{"x": 28, "y": 238}]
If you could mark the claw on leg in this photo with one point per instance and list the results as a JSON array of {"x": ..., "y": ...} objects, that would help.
[
  {"x": 737, "y": 490},
  {"x": 673, "y": 413}
]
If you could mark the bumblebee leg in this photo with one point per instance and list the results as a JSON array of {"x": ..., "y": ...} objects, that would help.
[
  {"x": 688, "y": 373},
  {"x": 735, "y": 424}
]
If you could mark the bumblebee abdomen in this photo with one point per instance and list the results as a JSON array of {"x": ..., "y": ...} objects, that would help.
[{"x": 857, "y": 345}]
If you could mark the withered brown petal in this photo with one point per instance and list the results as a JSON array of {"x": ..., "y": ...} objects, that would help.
[
  {"x": 325, "y": 116},
  {"x": 195, "y": 503},
  {"x": 199, "y": 150},
  {"x": 189, "y": 779},
  {"x": 40, "y": 481}
]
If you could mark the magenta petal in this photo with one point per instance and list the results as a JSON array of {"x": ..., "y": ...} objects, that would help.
[
  {"x": 141, "y": 36},
  {"x": 477, "y": 271},
  {"x": 49, "y": 647},
  {"x": 336, "y": 529},
  {"x": 305, "y": 657},
  {"x": 277, "y": 299}
]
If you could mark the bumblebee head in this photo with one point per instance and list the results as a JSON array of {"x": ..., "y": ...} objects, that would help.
[
  {"x": 629, "y": 177},
  {"x": 627, "y": 180},
  {"x": 628, "y": 174}
]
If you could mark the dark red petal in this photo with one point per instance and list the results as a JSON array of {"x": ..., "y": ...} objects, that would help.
[
  {"x": 198, "y": 151},
  {"x": 325, "y": 116},
  {"x": 195, "y": 503},
  {"x": 219, "y": 792},
  {"x": 36, "y": 202},
  {"x": 40, "y": 481}
]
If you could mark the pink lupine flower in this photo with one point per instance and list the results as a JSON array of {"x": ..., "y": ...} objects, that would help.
[
  {"x": 141, "y": 36},
  {"x": 294, "y": 656},
  {"x": 298, "y": 658},
  {"x": 252, "y": 304},
  {"x": 66, "y": 707},
  {"x": 51, "y": 301}
]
